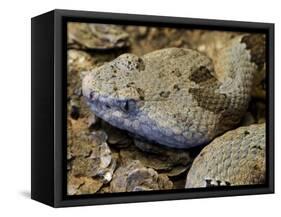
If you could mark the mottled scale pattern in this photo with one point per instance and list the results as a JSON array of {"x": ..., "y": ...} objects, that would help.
[
  {"x": 172, "y": 96},
  {"x": 235, "y": 158}
]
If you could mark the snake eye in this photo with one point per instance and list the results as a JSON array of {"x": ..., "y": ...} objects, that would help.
[{"x": 128, "y": 105}]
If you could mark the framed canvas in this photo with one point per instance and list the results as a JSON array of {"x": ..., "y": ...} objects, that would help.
[{"x": 134, "y": 108}]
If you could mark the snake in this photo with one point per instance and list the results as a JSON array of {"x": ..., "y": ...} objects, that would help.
[
  {"x": 174, "y": 96},
  {"x": 235, "y": 158}
]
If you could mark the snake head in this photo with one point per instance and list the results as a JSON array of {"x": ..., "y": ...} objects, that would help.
[
  {"x": 115, "y": 79},
  {"x": 110, "y": 89}
]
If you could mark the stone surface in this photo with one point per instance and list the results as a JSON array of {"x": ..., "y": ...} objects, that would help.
[
  {"x": 80, "y": 141},
  {"x": 99, "y": 161},
  {"x": 172, "y": 162},
  {"x": 116, "y": 137},
  {"x": 96, "y": 36},
  {"x": 82, "y": 185},
  {"x": 133, "y": 176},
  {"x": 78, "y": 62},
  {"x": 175, "y": 156}
]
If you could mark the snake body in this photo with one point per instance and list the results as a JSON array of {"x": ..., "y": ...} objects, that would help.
[
  {"x": 172, "y": 96},
  {"x": 235, "y": 158}
]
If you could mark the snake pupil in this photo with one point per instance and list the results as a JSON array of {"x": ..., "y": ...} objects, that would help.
[{"x": 126, "y": 106}]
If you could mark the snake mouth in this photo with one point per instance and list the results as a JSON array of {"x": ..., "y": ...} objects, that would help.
[
  {"x": 108, "y": 109},
  {"x": 111, "y": 108},
  {"x": 101, "y": 104}
]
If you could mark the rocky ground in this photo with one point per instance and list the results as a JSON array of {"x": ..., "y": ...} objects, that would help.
[{"x": 104, "y": 159}]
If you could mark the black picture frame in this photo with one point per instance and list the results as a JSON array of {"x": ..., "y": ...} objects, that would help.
[{"x": 48, "y": 148}]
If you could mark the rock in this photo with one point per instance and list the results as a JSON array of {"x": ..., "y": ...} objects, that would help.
[
  {"x": 79, "y": 110},
  {"x": 116, "y": 137},
  {"x": 80, "y": 141},
  {"x": 96, "y": 36},
  {"x": 235, "y": 158},
  {"x": 210, "y": 42},
  {"x": 79, "y": 61},
  {"x": 137, "y": 32},
  {"x": 84, "y": 109},
  {"x": 82, "y": 185},
  {"x": 98, "y": 164},
  {"x": 164, "y": 183},
  {"x": 133, "y": 176},
  {"x": 104, "y": 189},
  {"x": 93, "y": 122},
  {"x": 147, "y": 160},
  {"x": 91, "y": 155},
  {"x": 176, "y": 170},
  {"x": 167, "y": 161},
  {"x": 146, "y": 39},
  {"x": 106, "y": 173},
  {"x": 174, "y": 156}
]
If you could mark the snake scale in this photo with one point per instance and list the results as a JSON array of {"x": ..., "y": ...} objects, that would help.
[{"x": 173, "y": 96}]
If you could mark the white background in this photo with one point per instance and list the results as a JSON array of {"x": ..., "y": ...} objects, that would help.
[{"x": 15, "y": 107}]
